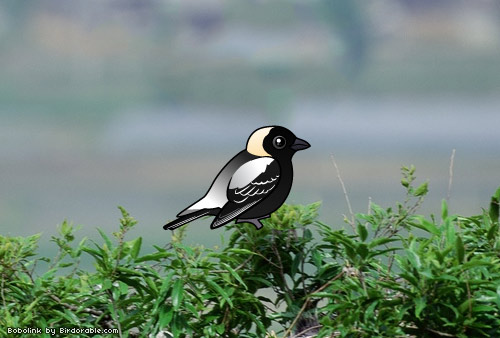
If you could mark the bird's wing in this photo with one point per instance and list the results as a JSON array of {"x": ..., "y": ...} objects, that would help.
[
  {"x": 216, "y": 196},
  {"x": 251, "y": 183}
]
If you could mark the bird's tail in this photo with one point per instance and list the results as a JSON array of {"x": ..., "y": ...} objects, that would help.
[{"x": 180, "y": 221}]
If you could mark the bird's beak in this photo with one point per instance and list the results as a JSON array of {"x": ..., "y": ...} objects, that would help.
[{"x": 300, "y": 144}]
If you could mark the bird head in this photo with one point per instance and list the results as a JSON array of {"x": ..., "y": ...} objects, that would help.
[{"x": 275, "y": 141}]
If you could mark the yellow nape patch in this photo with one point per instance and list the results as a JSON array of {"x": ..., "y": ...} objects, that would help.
[{"x": 254, "y": 144}]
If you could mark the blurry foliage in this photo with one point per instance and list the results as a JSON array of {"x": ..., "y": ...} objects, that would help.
[
  {"x": 348, "y": 21},
  {"x": 399, "y": 274}
]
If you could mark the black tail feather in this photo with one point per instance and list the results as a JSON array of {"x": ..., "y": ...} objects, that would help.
[{"x": 180, "y": 221}]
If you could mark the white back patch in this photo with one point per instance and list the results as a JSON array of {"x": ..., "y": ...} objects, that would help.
[{"x": 249, "y": 171}]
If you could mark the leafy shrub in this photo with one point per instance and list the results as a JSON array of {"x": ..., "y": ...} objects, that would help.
[{"x": 396, "y": 274}]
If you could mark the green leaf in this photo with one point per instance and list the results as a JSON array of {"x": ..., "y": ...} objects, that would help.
[
  {"x": 136, "y": 247},
  {"x": 165, "y": 316},
  {"x": 177, "y": 325},
  {"x": 192, "y": 309},
  {"x": 322, "y": 295},
  {"x": 153, "y": 290},
  {"x": 97, "y": 256},
  {"x": 420, "y": 304},
  {"x": 421, "y": 189},
  {"x": 260, "y": 280},
  {"x": 447, "y": 277},
  {"x": 130, "y": 272},
  {"x": 162, "y": 294},
  {"x": 221, "y": 292},
  {"x": 241, "y": 251},
  {"x": 484, "y": 308},
  {"x": 450, "y": 232},
  {"x": 65, "y": 265},
  {"x": 464, "y": 307},
  {"x": 492, "y": 231},
  {"x": 188, "y": 250},
  {"x": 295, "y": 263},
  {"x": 157, "y": 256},
  {"x": 444, "y": 209},
  {"x": 426, "y": 225},
  {"x": 123, "y": 288},
  {"x": 494, "y": 206},
  {"x": 257, "y": 322},
  {"x": 362, "y": 232},
  {"x": 498, "y": 296},
  {"x": 375, "y": 253},
  {"x": 317, "y": 258},
  {"x": 460, "y": 249},
  {"x": 235, "y": 275},
  {"x": 380, "y": 241},
  {"x": 370, "y": 310},
  {"x": 414, "y": 259},
  {"x": 220, "y": 328},
  {"x": 177, "y": 294},
  {"x": 32, "y": 305},
  {"x": 362, "y": 250},
  {"x": 106, "y": 238}
]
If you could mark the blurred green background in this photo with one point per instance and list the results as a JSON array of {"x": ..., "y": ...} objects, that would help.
[{"x": 140, "y": 103}]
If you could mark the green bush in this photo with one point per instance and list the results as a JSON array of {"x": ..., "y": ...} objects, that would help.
[{"x": 396, "y": 274}]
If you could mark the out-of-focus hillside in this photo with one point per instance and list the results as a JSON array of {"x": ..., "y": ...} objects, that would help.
[{"x": 141, "y": 102}]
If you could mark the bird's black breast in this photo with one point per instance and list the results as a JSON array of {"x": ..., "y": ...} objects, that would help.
[{"x": 278, "y": 196}]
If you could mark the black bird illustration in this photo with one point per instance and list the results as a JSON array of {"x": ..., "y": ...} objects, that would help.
[{"x": 252, "y": 185}]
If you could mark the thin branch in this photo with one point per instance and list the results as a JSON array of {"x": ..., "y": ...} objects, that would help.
[
  {"x": 345, "y": 191},
  {"x": 281, "y": 269},
  {"x": 439, "y": 333},
  {"x": 117, "y": 317},
  {"x": 244, "y": 263},
  {"x": 74, "y": 308},
  {"x": 444, "y": 334},
  {"x": 469, "y": 295},
  {"x": 254, "y": 249},
  {"x": 450, "y": 171},
  {"x": 308, "y": 329}
]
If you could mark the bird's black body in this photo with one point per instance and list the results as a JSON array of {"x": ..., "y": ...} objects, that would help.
[
  {"x": 252, "y": 185},
  {"x": 280, "y": 193}
]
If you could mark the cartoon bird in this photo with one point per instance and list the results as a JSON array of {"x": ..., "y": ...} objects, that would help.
[{"x": 252, "y": 184}]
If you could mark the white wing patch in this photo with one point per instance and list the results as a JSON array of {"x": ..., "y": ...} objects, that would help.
[
  {"x": 212, "y": 200},
  {"x": 242, "y": 182},
  {"x": 252, "y": 192},
  {"x": 249, "y": 171}
]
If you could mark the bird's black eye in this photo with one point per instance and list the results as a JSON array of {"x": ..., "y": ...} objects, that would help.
[{"x": 279, "y": 142}]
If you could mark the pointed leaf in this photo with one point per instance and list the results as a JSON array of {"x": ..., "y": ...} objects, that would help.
[
  {"x": 221, "y": 292},
  {"x": 421, "y": 189},
  {"x": 177, "y": 294},
  {"x": 157, "y": 256},
  {"x": 381, "y": 241},
  {"x": 444, "y": 209},
  {"x": 106, "y": 238},
  {"x": 362, "y": 250},
  {"x": 136, "y": 247},
  {"x": 362, "y": 232},
  {"x": 420, "y": 304},
  {"x": 460, "y": 249},
  {"x": 235, "y": 275},
  {"x": 494, "y": 206}
]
